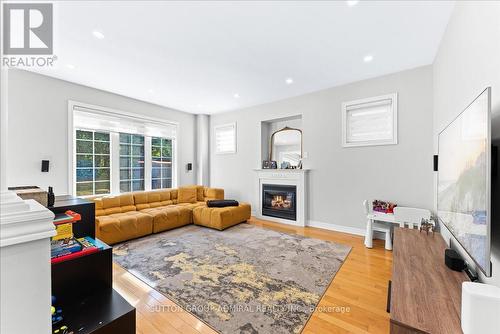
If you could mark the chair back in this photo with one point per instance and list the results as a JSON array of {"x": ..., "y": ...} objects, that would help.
[
  {"x": 366, "y": 207},
  {"x": 410, "y": 216}
]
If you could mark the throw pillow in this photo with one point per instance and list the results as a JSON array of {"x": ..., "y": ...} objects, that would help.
[{"x": 187, "y": 195}]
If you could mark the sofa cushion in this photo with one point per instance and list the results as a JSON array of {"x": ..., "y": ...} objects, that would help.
[
  {"x": 169, "y": 217},
  {"x": 213, "y": 193},
  {"x": 200, "y": 193},
  {"x": 164, "y": 194},
  {"x": 173, "y": 194},
  {"x": 221, "y": 218},
  {"x": 187, "y": 194},
  {"x": 119, "y": 227},
  {"x": 114, "y": 204}
]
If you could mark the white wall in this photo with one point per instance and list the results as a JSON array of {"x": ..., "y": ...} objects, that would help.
[
  {"x": 341, "y": 178},
  {"x": 38, "y": 128},
  {"x": 467, "y": 62}
]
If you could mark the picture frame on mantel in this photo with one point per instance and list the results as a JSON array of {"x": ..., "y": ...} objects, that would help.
[{"x": 269, "y": 164}]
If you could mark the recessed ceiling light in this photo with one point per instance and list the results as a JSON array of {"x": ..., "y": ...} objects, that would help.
[
  {"x": 368, "y": 58},
  {"x": 98, "y": 34},
  {"x": 151, "y": 91},
  {"x": 236, "y": 96},
  {"x": 199, "y": 105},
  {"x": 352, "y": 2},
  {"x": 70, "y": 66},
  {"x": 289, "y": 81}
]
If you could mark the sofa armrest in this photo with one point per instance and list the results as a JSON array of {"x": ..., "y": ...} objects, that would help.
[{"x": 213, "y": 193}]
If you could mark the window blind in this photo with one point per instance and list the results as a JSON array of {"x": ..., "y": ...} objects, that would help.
[
  {"x": 225, "y": 138},
  {"x": 88, "y": 118},
  {"x": 371, "y": 121}
]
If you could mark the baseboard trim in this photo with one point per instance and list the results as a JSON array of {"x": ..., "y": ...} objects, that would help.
[{"x": 335, "y": 227}]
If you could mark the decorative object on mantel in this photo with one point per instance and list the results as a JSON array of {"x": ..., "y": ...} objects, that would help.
[
  {"x": 299, "y": 166},
  {"x": 31, "y": 192},
  {"x": 269, "y": 164},
  {"x": 286, "y": 147},
  {"x": 285, "y": 165},
  {"x": 384, "y": 207}
]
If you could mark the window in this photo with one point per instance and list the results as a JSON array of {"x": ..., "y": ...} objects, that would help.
[
  {"x": 93, "y": 167},
  {"x": 131, "y": 162},
  {"x": 114, "y": 151},
  {"x": 225, "y": 138},
  {"x": 371, "y": 121},
  {"x": 161, "y": 154}
]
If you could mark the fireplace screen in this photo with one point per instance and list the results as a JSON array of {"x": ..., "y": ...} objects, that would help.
[{"x": 279, "y": 201}]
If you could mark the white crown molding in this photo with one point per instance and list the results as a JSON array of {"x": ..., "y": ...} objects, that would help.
[{"x": 23, "y": 220}]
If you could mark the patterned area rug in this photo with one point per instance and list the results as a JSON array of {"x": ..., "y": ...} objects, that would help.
[{"x": 245, "y": 279}]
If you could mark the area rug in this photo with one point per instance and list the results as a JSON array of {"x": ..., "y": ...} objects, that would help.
[{"x": 245, "y": 279}]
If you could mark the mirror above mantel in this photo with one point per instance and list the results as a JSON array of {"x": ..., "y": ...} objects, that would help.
[
  {"x": 281, "y": 140},
  {"x": 286, "y": 147}
]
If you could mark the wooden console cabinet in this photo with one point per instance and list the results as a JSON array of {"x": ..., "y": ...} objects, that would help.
[{"x": 425, "y": 296}]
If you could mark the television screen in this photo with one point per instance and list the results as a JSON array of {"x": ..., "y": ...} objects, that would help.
[{"x": 463, "y": 199}]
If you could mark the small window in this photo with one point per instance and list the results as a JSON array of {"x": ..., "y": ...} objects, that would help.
[
  {"x": 93, "y": 167},
  {"x": 161, "y": 172},
  {"x": 225, "y": 138},
  {"x": 371, "y": 121},
  {"x": 131, "y": 162}
]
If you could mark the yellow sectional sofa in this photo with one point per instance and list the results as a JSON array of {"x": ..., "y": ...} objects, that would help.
[{"x": 136, "y": 214}]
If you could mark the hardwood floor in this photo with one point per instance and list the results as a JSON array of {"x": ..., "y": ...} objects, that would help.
[{"x": 355, "y": 302}]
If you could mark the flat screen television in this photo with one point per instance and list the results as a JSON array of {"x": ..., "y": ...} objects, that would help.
[{"x": 465, "y": 180}]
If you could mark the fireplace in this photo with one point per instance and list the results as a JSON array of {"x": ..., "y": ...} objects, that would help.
[{"x": 279, "y": 201}]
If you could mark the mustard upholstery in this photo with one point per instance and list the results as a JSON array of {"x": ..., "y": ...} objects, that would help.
[
  {"x": 119, "y": 227},
  {"x": 221, "y": 218},
  {"x": 114, "y": 204},
  {"x": 169, "y": 217},
  {"x": 213, "y": 193},
  {"x": 187, "y": 194},
  {"x": 136, "y": 214}
]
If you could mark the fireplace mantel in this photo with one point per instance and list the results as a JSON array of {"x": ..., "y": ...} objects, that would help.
[{"x": 296, "y": 177}]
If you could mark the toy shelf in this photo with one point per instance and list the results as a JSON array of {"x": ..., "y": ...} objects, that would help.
[{"x": 83, "y": 283}]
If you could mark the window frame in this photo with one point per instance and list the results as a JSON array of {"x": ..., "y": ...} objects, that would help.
[
  {"x": 368, "y": 101},
  {"x": 130, "y": 157},
  {"x": 161, "y": 179},
  {"x": 216, "y": 127},
  {"x": 73, "y": 106},
  {"x": 93, "y": 160}
]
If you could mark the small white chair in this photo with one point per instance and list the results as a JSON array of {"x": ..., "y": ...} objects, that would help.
[
  {"x": 376, "y": 226},
  {"x": 410, "y": 216}
]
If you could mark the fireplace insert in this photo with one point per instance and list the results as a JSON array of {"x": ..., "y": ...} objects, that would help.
[{"x": 279, "y": 201}]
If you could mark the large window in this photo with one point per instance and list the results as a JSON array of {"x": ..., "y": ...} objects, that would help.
[
  {"x": 131, "y": 162},
  {"x": 93, "y": 167},
  {"x": 114, "y": 151},
  {"x": 161, "y": 168},
  {"x": 371, "y": 121}
]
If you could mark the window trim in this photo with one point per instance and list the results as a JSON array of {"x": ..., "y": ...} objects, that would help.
[
  {"x": 115, "y": 147},
  {"x": 367, "y": 101},
  {"x": 216, "y": 127}
]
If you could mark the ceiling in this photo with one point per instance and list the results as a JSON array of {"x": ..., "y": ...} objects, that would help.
[{"x": 208, "y": 57}]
